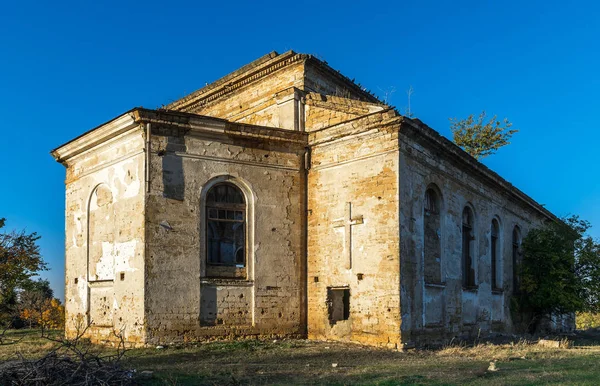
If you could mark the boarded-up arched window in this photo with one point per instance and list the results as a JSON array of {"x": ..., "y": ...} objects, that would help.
[
  {"x": 468, "y": 264},
  {"x": 432, "y": 237},
  {"x": 226, "y": 226},
  {"x": 495, "y": 255},
  {"x": 101, "y": 238},
  {"x": 516, "y": 258}
]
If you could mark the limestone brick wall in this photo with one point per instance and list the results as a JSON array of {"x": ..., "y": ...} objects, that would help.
[
  {"x": 182, "y": 303},
  {"x": 362, "y": 171},
  {"x": 326, "y": 110},
  {"x": 258, "y": 103},
  {"x": 434, "y": 312},
  {"x": 104, "y": 241},
  {"x": 269, "y": 92},
  {"x": 322, "y": 79}
]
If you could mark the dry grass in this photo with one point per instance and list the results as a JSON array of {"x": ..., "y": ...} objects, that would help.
[
  {"x": 29, "y": 343},
  {"x": 307, "y": 362}
]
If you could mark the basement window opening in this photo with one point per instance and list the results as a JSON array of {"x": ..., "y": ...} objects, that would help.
[{"x": 338, "y": 304}]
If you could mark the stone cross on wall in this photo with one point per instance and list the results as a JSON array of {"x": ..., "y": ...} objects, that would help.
[{"x": 347, "y": 223}]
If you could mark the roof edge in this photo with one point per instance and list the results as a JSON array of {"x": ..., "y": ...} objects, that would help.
[
  {"x": 230, "y": 81},
  {"x": 450, "y": 148},
  {"x": 92, "y": 137},
  {"x": 257, "y": 69},
  {"x": 133, "y": 118}
]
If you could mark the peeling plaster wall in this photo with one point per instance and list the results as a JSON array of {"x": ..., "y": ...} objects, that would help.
[
  {"x": 438, "y": 312},
  {"x": 105, "y": 205},
  {"x": 182, "y": 304},
  {"x": 362, "y": 170}
]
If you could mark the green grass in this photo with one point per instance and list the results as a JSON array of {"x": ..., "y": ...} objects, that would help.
[{"x": 287, "y": 362}]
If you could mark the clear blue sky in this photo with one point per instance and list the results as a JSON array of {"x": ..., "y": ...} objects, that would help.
[{"x": 66, "y": 67}]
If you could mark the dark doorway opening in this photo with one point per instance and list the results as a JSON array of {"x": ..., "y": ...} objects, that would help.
[{"x": 338, "y": 304}]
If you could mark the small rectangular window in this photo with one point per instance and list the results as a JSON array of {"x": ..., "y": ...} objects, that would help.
[{"x": 338, "y": 304}]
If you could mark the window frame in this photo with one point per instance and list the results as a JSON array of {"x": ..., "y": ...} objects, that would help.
[
  {"x": 209, "y": 272},
  {"x": 218, "y": 212}
]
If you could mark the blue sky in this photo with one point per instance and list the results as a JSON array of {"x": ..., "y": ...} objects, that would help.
[{"x": 66, "y": 67}]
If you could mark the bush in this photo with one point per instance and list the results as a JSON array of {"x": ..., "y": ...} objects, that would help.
[
  {"x": 587, "y": 320},
  {"x": 560, "y": 271}
]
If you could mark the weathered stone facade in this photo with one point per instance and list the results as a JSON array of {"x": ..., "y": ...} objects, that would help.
[{"x": 284, "y": 200}]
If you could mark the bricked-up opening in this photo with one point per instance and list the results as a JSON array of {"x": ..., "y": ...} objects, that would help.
[
  {"x": 338, "y": 304},
  {"x": 226, "y": 231},
  {"x": 495, "y": 253},
  {"x": 516, "y": 258},
  {"x": 468, "y": 266},
  {"x": 432, "y": 238}
]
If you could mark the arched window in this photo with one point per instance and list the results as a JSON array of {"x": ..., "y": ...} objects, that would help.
[
  {"x": 225, "y": 226},
  {"x": 432, "y": 237},
  {"x": 467, "y": 249},
  {"x": 495, "y": 255},
  {"x": 516, "y": 258}
]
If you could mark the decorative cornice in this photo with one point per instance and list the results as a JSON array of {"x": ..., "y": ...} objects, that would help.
[
  {"x": 236, "y": 80},
  {"x": 210, "y": 127},
  {"x": 199, "y": 125},
  {"x": 342, "y": 131},
  {"x": 256, "y": 70},
  {"x": 94, "y": 137}
]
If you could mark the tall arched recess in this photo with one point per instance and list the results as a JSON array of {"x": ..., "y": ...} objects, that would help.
[
  {"x": 226, "y": 252},
  {"x": 100, "y": 259},
  {"x": 469, "y": 278},
  {"x": 434, "y": 288},
  {"x": 432, "y": 235},
  {"x": 516, "y": 259}
]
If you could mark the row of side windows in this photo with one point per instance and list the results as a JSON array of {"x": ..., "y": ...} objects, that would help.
[
  {"x": 226, "y": 237},
  {"x": 432, "y": 248}
]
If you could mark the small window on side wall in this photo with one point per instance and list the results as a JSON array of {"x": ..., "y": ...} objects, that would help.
[
  {"x": 338, "y": 304},
  {"x": 225, "y": 232}
]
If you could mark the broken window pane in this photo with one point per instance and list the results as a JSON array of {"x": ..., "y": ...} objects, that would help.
[{"x": 225, "y": 226}]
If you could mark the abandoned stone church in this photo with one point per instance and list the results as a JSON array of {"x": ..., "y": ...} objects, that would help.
[{"x": 285, "y": 200}]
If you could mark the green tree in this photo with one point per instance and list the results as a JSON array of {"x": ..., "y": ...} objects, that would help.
[
  {"x": 480, "y": 138},
  {"x": 20, "y": 259},
  {"x": 560, "y": 272}
]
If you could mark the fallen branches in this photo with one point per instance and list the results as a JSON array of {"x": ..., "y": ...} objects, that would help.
[{"x": 71, "y": 362}]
